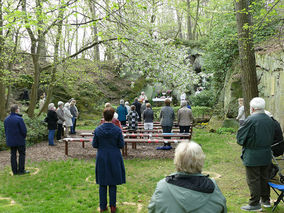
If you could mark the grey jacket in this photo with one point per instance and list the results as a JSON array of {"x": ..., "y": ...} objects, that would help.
[
  {"x": 74, "y": 111},
  {"x": 170, "y": 198},
  {"x": 167, "y": 116},
  {"x": 60, "y": 115},
  {"x": 148, "y": 116},
  {"x": 184, "y": 116}
]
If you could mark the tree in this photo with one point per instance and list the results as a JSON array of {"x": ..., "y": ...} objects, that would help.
[
  {"x": 2, "y": 86},
  {"x": 246, "y": 52}
]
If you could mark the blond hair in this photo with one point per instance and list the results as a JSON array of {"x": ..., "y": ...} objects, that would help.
[{"x": 189, "y": 157}]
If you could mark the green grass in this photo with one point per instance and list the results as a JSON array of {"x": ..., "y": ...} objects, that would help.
[{"x": 61, "y": 186}]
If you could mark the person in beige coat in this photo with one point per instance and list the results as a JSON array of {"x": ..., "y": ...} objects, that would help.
[
  {"x": 67, "y": 116},
  {"x": 184, "y": 118}
]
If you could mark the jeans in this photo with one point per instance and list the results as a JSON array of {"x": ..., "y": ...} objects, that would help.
[
  {"x": 72, "y": 128},
  {"x": 167, "y": 129},
  {"x": 22, "y": 156},
  {"x": 103, "y": 196},
  {"x": 51, "y": 134}
]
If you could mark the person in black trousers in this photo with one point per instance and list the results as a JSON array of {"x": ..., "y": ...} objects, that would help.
[{"x": 16, "y": 132}]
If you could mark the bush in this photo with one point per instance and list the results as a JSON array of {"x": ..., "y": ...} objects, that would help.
[
  {"x": 205, "y": 98},
  {"x": 37, "y": 131},
  {"x": 224, "y": 130}
]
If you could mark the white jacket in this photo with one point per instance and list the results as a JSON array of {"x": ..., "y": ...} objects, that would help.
[{"x": 67, "y": 116}]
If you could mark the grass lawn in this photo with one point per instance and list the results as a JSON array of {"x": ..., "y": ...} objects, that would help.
[{"x": 68, "y": 186}]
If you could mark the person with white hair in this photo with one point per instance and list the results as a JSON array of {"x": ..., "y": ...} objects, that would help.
[
  {"x": 241, "y": 112},
  {"x": 51, "y": 123},
  {"x": 187, "y": 190},
  {"x": 122, "y": 113},
  {"x": 184, "y": 118},
  {"x": 61, "y": 119},
  {"x": 67, "y": 116},
  {"x": 127, "y": 106},
  {"x": 256, "y": 136}
]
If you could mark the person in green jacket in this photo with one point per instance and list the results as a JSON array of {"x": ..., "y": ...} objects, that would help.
[
  {"x": 187, "y": 190},
  {"x": 256, "y": 136}
]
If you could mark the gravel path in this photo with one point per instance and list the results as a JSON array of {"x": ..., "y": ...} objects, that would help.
[{"x": 42, "y": 152}]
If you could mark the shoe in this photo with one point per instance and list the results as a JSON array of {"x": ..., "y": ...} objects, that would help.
[
  {"x": 266, "y": 204},
  {"x": 103, "y": 210},
  {"x": 256, "y": 208},
  {"x": 112, "y": 209},
  {"x": 24, "y": 172}
]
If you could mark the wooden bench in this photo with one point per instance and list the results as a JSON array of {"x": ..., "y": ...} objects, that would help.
[{"x": 80, "y": 140}]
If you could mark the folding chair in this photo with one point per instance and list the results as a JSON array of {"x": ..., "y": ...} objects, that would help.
[{"x": 280, "y": 196}]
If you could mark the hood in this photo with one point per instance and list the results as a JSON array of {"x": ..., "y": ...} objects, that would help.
[
  {"x": 202, "y": 186},
  {"x": 107, "y": 129}
]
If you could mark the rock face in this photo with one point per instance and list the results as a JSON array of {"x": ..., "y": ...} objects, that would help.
[{"x": 270, "y": 72}]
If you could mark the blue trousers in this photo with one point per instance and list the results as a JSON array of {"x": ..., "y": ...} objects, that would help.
[
  {"x": 103, "y": 196},
  {"x": 72, "y": 128},
  {"x": 51, "y": 134},
  {"x": 22, "y": 155}
]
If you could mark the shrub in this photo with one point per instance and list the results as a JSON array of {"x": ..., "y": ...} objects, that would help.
[
  {"x": 37, "y": 131},
  {"x": 224, "y": 130}
]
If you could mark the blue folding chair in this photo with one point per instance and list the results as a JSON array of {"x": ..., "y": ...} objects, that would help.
[{"x": 280, "y": 196}]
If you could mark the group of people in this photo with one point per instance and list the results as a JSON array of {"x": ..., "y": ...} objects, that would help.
[
  {"x": 65, "y": 115},
  {"x": 187, "y": 190}
]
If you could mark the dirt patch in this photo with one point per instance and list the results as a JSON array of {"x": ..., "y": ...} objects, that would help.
[{"x": 42, "y": 152}]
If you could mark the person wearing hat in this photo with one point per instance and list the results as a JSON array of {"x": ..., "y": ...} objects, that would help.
[
  {"x": 122, "y": 113},
  {"x": 61, "y": 119}
]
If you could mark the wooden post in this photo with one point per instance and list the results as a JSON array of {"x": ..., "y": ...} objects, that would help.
[{"x": 66, "y": 147}]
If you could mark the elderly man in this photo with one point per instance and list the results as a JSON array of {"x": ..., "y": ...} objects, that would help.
[
  {"x": 187, "y": 190},
  {"x": 16, "y": 132},
  {"x": 256, "y": 136}
]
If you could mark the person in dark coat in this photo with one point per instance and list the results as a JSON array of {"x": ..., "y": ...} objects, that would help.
[
  {"x": 16, "y": 132},
  {"x": 110, "y": 171},
  {"x": 122, "y": 113},
  {"x": 51, "y": 123},
  {"x": 137, "y": 107},
  {"x": 256, "y": 136}
]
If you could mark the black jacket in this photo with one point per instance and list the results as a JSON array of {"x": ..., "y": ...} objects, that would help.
[{"x": 52, "y": 120}]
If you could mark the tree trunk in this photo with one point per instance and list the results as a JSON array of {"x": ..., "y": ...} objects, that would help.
[
  {"x": 189, "y": 33},
  {"x": 246, "y": 52},
  {"x": 179, "y": 22},
  {"x": 95, "y": 30},
  {"x": 194, "y": 36},
  {"x": 2, "y": 85}
]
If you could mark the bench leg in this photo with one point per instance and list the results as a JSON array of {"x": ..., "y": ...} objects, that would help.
[
  {"x": 66, "y": 148},
  {"x": 83, "y": 144},
  {"x": 125, "y": 149}
]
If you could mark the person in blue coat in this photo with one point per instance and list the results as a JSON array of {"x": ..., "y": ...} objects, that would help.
[
  {"x": 16, "y": 132},
  {"x": 110, "y": 171},
  {"x": 122, "y": 113}
]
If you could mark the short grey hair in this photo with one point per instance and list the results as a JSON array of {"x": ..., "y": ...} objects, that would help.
[
  {"x": 107, "y": 105},
  {"x": 183, "y": 103},
  {"x": 121, "y": 101},
  {"x": 189, "y": 157},
  {"x": 14, "y": 108},
  {"x": 60, "y": 103},
  {"x": 257, "y": 103},
  {"x": 51, "y": 106}
]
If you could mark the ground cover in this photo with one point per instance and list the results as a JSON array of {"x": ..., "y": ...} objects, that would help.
[{"x": 68, "y": 185}]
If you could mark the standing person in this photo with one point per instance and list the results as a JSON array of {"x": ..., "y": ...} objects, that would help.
[
  {"x": 61, "y": 119},
  {"x": 75, "y": 114},
  {"x": 110, "y": 171},
  {"x": 167, "y": 117},
  {"x": 16, "y": 132},
  {"x": 133, "y": 118},
  {"x": 143, "y": 97},
  {"x": 67, "y": 116},
  {"x": 127, "y": 106},
  {"x": 143, "y": 107},
  {"x": 187, "y": 190},
  {"x": 241, "y": 112},
  {"x": 184, "y": 118},
  {"x": 137, "y": 108},
  {"x": 41, "y": 101},
  {"x": 148, "y": 117},
  {"x": 51, "y": 123},
  {"x": 122, "y": 113},
  {"x": 256, "y": 136}
]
